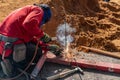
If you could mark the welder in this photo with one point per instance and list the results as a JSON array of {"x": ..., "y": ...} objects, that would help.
[{"x": 19, "y": 33}]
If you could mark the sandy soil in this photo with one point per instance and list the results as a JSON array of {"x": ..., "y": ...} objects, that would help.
[
  {"x": 116, "y": 1},
  {"x": 97, "y": 26}
]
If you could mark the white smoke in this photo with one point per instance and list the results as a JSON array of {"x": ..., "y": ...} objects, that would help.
[{"x": 64, "y": 32}]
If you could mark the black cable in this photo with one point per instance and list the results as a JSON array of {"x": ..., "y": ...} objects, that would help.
[
  {"x": 14, "y": 78},
  {"x": 25, "y": 73}
]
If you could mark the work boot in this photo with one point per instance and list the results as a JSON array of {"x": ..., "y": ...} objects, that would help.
[{"x": 7, "y": 68}]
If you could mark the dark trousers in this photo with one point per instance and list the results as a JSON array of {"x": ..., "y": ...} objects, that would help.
[{"x": 29, "y": 55}]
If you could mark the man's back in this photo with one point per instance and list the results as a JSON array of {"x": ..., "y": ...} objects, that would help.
[{"x": 13, "y": 25}]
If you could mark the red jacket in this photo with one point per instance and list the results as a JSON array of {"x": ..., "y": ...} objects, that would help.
[{"x": 23, "y": 24}]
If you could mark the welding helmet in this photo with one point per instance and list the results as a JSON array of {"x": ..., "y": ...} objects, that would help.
[{"x": 47, "y": 13}]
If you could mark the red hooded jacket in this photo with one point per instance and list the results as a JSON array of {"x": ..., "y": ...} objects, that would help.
[{"x": 23, "y": 24}]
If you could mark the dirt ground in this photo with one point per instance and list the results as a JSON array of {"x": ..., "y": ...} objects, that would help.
[{"x": 97, "y": 26}]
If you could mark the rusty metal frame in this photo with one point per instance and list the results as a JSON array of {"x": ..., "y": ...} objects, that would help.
[
  {"x": 104, "y": 66},
  {"x": 39, "y": 65}
]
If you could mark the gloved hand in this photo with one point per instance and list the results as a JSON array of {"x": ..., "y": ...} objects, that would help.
[
  {"x": 55, "y": 49},
  {"x": 46, "y": 38}
]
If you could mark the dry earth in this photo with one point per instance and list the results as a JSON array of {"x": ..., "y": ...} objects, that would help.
[{"x": 97, "y": 26}]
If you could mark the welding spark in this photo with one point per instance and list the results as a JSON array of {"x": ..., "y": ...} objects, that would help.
[
  {"x": 64, "y": 32},
  {"x": 64, "y": 36}
]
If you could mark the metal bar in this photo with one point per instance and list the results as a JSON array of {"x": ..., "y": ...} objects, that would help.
[
  {"x": 104, "y": 66},
  {"x": 39, "y": 66},
  {"x": 98, "y": 51}
]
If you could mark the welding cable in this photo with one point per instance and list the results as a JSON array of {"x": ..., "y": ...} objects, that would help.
[
  {"x": 25, "y": 73},
  {"x": 15, "y": 78}
]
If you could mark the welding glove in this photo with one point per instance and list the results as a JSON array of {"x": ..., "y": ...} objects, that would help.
[
  {"x": 55, "y": 49},
  {"x": 46, "y": 38}
]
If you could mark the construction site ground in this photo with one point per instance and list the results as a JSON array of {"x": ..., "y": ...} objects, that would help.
[
  {"x": 97, "y": 26},
  {"x": 50, "y": 69}
]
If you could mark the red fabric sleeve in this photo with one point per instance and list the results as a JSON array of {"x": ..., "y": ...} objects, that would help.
[
  {"x": 32, "y": 22},
  {"x": 43, "y": 45}
]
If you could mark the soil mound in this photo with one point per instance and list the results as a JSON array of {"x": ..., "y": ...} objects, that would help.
[{"x": 97, "y": 22}]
